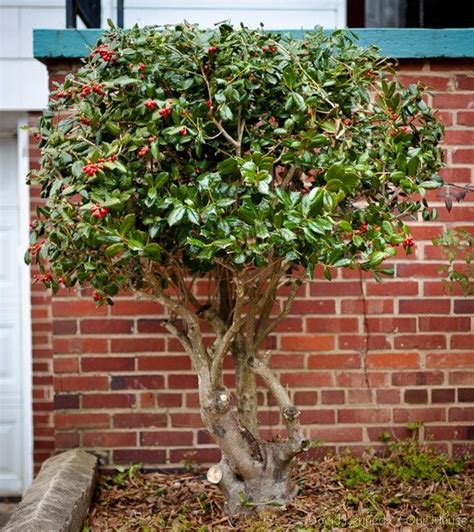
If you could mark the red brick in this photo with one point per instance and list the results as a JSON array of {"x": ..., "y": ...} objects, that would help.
[
  {"x": 108, "y": 400},
  {"x": 392, "y": 288},
  {"x": 351, "y": 380},
  {"x": 186, "y": 419},
  {"x": 102, "y": 326},
  {"x": 463, "y": 156},
  {"x": 464, "y": 82},
  {"x": 98, "y": 364},
  {"x": 81, "y": 420},
  {"x": 78, "y": 383},
  {"x": 456, "y": 175},
  {"x": 418, "y": 378},
  {"x": 462, "y": 341},
  {"x": 447, "y": 433},
  {"x": 388, "y": 396},
  {"x": 287, "y": 361},
  {"x": 198, "y": 456},
  {"x": 420, "y": 341},
  {"x": 418, "y": 396},
  {"x": 430, "y": 81},
  {"x": 137, "y": 382},
  {"x": 406, "y": 415},
  {"x": 450, "y": 100},
  {"x": 131, "y": 307},
  {"x": 307, "y": 379},
  {"x": 466, "y": 395},
  {"x": 459, "y": 136},
  {"x": 360, "y": 396},
  {"x": 463, "y": 413},
  {"x": 319, "y": 416},
  {"x": 138, "y": 420},
  {"x": 332, "y": 325},
  {"x": 143, "y": 456},
  {"x": 393, "y": 360},
  {"x": 66, "y": 401},
  {"x": 464, "y": 306},
  {"x": 307, "y": 343},
  {"x": 66, "y": 440},
  {"x": 418, "y": 269},
  {"x": 334, "y": 361},
  {"x": 450, "y": 360},
  {"x": 313, "y": 306},
  {"x": 66, "y": 365},
  {"x": 363, "y": 415},
  {"x": 461, "y": 377},
  {"x": 334, "y": 288},
  {"x": 354, "y": 342},
  {"x": 167, "y": 400},
  {"x": 109, "y": 439},
  {"x": 305, "y": 398},
  {"x": 64, "y": 327},
  {"x": 137, "y": 345},
  {"x": 167, "y": 439},
  {"x": 425, "y": 306},
  {"x": 80, "y": 345},
  {"x": 182, "y": 381},
  {"x": 391, "y": 324},
  {"x": 332, "y": 397},
  {"x": 465, "y": 118},
  {"x": 442, "y": 395},
  {"x": 290, "y": 325},
  {"x": 161, "y": 362},
  {"x": 81, "y": 307},
  {"x": 444, "y": 324},
  {"x": 371, "y": 306},
  {"x": 333, "y": 435}
]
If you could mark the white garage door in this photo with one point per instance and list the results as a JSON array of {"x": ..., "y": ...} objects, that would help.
[{"x": 11, "y": 440}]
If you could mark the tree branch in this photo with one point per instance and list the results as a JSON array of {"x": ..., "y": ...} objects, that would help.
[{"x": 296, "y": 441}]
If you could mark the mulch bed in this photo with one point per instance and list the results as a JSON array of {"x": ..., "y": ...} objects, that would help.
[{"x": 367, "y": 493}]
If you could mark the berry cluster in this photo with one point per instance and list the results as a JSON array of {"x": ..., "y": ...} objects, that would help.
[
  {"x": 165, "y": 112},
  {"x": 35, "y": 248},
  {"x": 106, "y": 53},
  {"x": 143, "y": 151},
  {"x": 99, "y": 212},
  {"x": 98, "y": 298},
  {"x": 408, "y": 242},
  {"x": 90, "y": 169},
  {"x": 96, "y": 88},
  {"x": 42, "y": 278}
]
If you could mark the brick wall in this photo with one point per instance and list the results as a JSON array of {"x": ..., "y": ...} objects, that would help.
[{"x": 124, "y": 389}]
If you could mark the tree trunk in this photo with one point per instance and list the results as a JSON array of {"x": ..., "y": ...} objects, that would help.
[
  {"x": 270, "y": 487},
  {"x": 252, "y": 475},
  {"x": 245, "y": 386}
]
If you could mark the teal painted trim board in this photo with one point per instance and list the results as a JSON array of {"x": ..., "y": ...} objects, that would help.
[{"x": 398, "y": 43}]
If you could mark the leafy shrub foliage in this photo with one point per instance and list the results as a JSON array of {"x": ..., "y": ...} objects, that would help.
[{"x": 228, "y": 147}]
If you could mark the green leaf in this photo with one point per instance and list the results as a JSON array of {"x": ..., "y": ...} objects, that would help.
[
  {"x": 114, "y": 249},
  {"x": 152, "y": 250},
  {"x": 193, "y": 216},
  {"x": 344, "y": 225},
  {"x": 128, "y": 223},
  {"x": 176, "y": 215},
  {"x": 329, "y": 126},
  {"x": 228, "y": 166},
  {"x": 335, "y": 171}
]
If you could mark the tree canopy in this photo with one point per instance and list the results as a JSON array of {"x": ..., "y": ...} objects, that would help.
[{"x": 228, "y": 147}]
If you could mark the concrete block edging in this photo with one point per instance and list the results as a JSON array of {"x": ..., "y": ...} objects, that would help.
[{"x": 59, "y": 497}]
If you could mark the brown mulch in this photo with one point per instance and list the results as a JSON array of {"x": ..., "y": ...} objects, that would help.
[{"x": 133, "y": 500}]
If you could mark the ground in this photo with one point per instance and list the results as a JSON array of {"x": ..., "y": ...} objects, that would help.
[{"x": 410, "y": 486}]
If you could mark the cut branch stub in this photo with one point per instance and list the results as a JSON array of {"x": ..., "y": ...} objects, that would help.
[{"x": 214, "y": 474}]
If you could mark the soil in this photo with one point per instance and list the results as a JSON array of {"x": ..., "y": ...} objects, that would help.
[{"x": 410, "y": 489}]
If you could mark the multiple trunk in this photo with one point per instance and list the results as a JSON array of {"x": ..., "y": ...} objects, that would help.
[{"x": 253, "y": 474}]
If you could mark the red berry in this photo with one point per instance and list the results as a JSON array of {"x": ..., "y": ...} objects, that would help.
[
  {"x": 165, "y": 112},
  {"x": 183, "y": 131},
  {"x": 97, "y": 297},
  {"x": 408, "y": 242},
  {"x": 99, "y": 212},
  {"x": 209, "y": 105},
  {"x": 406, "y": 130},
  {"x": 150, "y": 104},
  {"x": 91, "y": 169},
  {"x": 141, "y": 67},
  {"x": 211, "y": 50},
  {"x": 143, "y": 151}
]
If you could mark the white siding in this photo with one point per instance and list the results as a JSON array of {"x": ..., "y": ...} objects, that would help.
[{"x": 23, "y": 81}]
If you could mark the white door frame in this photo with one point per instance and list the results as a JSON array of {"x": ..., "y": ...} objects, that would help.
[{"x": 25, "y": 301}]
